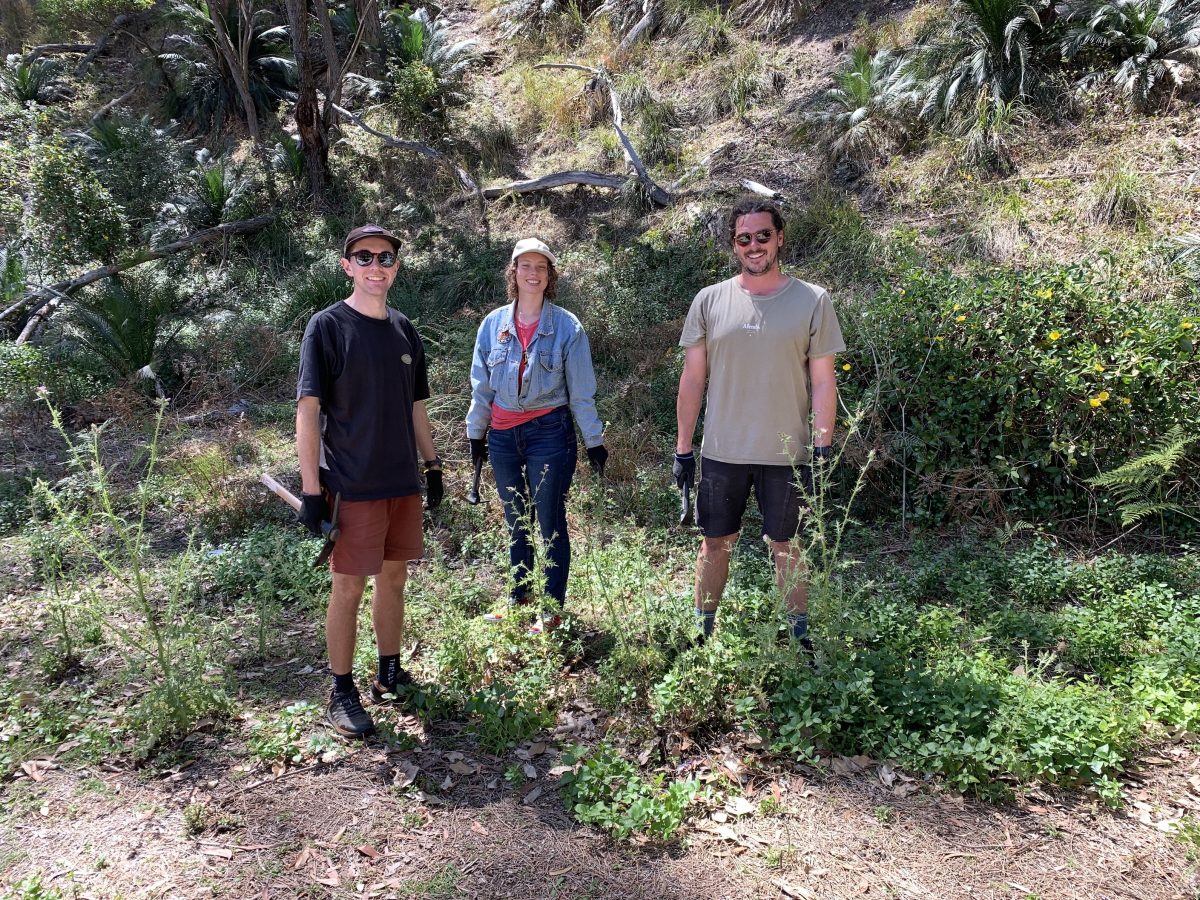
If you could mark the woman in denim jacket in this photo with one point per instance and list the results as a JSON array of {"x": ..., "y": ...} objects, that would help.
[{"x": 532, "y": 382}]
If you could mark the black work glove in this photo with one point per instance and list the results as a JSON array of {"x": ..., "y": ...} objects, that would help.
[
  {"x": 434, "y": 491},
  {"x": 314, "y": 509},
  {"x": 822, "y": 462},
  {"x": 684, "y": 470},
  {"x": 597, "y": 457},
  {"x": 478, "y": 450}
]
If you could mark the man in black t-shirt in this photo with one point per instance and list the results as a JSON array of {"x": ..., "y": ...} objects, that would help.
[{"x": 360, "y": 422}]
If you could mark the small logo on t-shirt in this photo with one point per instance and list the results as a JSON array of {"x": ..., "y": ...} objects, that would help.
[
  {"x": 406, "y": 359},
  {"x": 752, "y": 327}
]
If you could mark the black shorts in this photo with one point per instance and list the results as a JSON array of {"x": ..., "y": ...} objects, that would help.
[{"x": 724, "y": 488}]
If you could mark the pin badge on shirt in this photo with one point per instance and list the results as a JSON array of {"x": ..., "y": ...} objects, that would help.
[{"x": 406, "y": 359}]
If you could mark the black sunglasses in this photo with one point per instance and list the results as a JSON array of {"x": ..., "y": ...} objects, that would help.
[
  {"x": 761, "y": 237},
  {"x": 387, "y": 258}
]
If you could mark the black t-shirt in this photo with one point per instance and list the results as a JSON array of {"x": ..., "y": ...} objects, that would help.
[{"x": 367, "y": 373}]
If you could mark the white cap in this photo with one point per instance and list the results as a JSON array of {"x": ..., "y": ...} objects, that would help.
[{"x": 533, "y": 245}]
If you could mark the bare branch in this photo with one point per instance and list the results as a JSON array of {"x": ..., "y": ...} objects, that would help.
[
  {"x": 557, "y": 179},
  {"x": 645, "y": 25},
  {"x": 35, "y": 300},
  {"x": 112, "y": 104},
  {"x": 102, "y": 43},
  {"x": 761, "y": 189},
  {"x": 657, "y": 194},
  {"x": 49, "y": 49}
]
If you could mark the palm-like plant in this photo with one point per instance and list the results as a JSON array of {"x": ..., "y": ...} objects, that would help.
[
  {"x": 1155, "y": 44},
  {"x": 986, "y": 46},
  {"x": 869, "y": 109},
  {"x": 202, "y": 88},
  {"x": 428, "y": 66},
  {"x": 33, "y": 82},
  {"x": 125, "y": 323}
]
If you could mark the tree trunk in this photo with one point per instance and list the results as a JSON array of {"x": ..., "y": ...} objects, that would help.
[
  {"x": 368, "y": 17},
  {"x": 233, "y": 59},
  {"x": 314, "y": 140}
]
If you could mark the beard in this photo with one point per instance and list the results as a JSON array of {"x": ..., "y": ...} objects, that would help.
[{"x": 760, "y": 266}]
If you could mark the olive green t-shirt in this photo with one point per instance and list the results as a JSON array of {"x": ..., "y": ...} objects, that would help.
[{"x": 758, "y": 350}]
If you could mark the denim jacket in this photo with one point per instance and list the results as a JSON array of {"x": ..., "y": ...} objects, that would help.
[{"x": 558, "y": 371}]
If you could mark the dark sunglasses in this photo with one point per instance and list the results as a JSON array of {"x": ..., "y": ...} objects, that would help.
[
  {"x": 387, "y": 258},
  {"x": 760, "y": 237}
]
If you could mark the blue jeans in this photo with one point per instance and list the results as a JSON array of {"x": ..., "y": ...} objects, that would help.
[{"x": 537, "y": 459}]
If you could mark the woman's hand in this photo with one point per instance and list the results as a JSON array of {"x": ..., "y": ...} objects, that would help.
[{"x": 597, "y": 457}]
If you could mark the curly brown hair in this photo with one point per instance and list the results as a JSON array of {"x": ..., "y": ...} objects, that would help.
[{"x": 510, "y": 281}]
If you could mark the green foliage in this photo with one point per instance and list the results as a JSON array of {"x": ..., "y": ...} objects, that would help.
[
  {"x": 1154, "y": 482},
  {"x": 607, "y": 791},
  {"x": 426, "y": 67},
  {"x": 142, "y": 611},
  {"x": 987, "y": 145},
  {"x": 869, "y": 110},
  {"x": 285, "y": 739},
  {"x": 1120, "y": 199},
  {"x": 33, "y": 82},
  {"x": 321, "y": 286},
  {"x": 76, "y": 215},
  {"x": 502, "y": 717},
  {"x": 545, "y": 20},
  {"x": 31, "y": 887},
  {"x": 705, "y": 31},
  {"x": 201, "y": 88},
  {"x": 987, "y": 47},
  {"x": 136, "y": 161},
  {"x": 1154, "y": 45},
  {"x": 215, "y": 190},
  {"x": 737, "y": 82},
  {"x": 657, "y": 121},
  {"x": 126, "y": 321},
  {"x": 1008, "y": 390},
  {"x": 830, "y": 232},
  {"x": 771, "y": 16},
  {"x": 62, "y": 16}
]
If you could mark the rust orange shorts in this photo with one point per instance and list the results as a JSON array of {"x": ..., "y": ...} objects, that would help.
[{"x": 376, "y": 530}]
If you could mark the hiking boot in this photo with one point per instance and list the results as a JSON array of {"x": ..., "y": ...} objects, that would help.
[
  {"x": 346, "y": 715},
  {"x": 379, "y": 689}
]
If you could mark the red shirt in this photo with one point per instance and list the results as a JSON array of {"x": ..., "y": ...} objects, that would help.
[{"x": 503, "y": 419}]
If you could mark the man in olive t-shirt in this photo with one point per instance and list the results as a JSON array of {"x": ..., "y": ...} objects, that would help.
[{"x": 764, "y": 344}]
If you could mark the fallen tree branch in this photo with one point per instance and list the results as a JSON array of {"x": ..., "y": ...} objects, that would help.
[
  {"x": 645, "y": 25},
  {"x": 761, "y": 189},
  {"x": 557, "y": 179},
  {"x": 34, "y": 301},
  {"x": 462, "y": 175},
  {"x": 47, "y": 49},
  {"x": 111, "y": 105},
  {"x": 102, "y": 43},
  {"x": 657, "y": 194}
]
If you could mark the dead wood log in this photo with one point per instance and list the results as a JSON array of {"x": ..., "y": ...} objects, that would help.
[
  {"x": 52, "y": 295},
  {"x": 657, "y": 194},
  {"x": 645, "y": 25},
  {"x": 761, "y": 189},
  {"x": 49, "y": 49},
  {"x": 111, "y": 105},
  {"x": 557, "y": 179},
  {"x": 102, "y": 43}
]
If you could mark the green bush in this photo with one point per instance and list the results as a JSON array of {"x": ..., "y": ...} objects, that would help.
[
  {"x": 137, "y": 163},
  {"x": 1001, "y": 393},
  {"x": 77, "y": 216},
  {"x": 609, "y": 792}
]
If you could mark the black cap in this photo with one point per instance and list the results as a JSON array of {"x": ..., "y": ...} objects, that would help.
[{"x": 369, "y": 231}]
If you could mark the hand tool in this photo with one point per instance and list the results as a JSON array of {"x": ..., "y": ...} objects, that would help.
[{"x": 329, "y": 529}]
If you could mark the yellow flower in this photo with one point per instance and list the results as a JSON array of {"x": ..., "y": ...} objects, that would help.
[
  {"x": 845, "y": 367},
  {"x": 1094, "y": 403},
  {"x": 1185, "y": 325},
  {"x": 957, "y": 307},
  {"x": 1055, "y": 335},
  {"x": 1102, "y": 396},
  {"x": 960, "y": 318},
  {"x": 902, "y": 292},
  {"x": 1126, "y": 400},
  {"x": 939, "y": 338},
  {"x": 1098, "y": 367},
  {"x": 1044, "y": 294},
  {"x": 950, "y": 378}
]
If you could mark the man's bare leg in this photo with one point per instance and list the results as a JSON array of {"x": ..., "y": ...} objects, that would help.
[
  {"x": 387, "y": 606},
  {"x": 712, "y": 572},
  {"x": 341, "y": 621}
]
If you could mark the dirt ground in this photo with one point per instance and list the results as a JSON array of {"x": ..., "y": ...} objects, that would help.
[{"x": 354, "y": 828}]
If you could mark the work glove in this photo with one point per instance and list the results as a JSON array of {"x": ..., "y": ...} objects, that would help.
[
  {"x": 597, "y": 457},
  {"x": 314, "y": 509},
  {"x": 822, "y": 462},
  {"x": 434, "y": 491},
  {"x": 478, "y": 450},
  {"x": 684, "y": 470}
]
